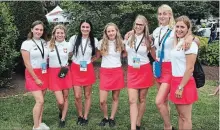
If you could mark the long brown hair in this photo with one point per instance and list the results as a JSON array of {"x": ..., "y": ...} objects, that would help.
[
  {"x": 118, "y": 40},
  {"x": 53, "y": 39},
  {"x": 30, "y": 34},
  {"x": 146, "y": 33}
]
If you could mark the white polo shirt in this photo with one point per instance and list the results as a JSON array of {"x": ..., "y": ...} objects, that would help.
[
  {"x": 178, "y": 58},
  {"x": 63, "y": 49},
  {"x": 35, "y": 54},
  {"x": 168, "y": 46},
  {"x": 88, "y": 53},
  {"x": 141, "y": 53},
  {"x": 112, "y": 59}
]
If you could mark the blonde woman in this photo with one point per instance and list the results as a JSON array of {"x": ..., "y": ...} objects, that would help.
[
  {"x": 58, "y": 57},
  {"x": 139, "y": 75},
  {"x": 183, "y": 92},
  {"x": 34, "y": 52},
  {"x": 111, "y": 73}
]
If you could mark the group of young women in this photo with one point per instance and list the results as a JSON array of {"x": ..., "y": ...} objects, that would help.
[{"x": 171, "y": 43}]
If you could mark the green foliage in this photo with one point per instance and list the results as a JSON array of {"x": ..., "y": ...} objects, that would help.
[
  {"x": 122, "y": 13},
  {"x": 8, "y": 34},
  {"x": 209, "y": 54}
]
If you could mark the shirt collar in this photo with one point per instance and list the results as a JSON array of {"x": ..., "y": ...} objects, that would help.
[{"x": 60, "y": 43}]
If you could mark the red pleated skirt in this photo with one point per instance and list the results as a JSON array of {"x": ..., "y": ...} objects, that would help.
[
  {"x": 82, "y": 78},
  {"x": 190, "y": 94},
  {"x": 30, "y": 84},
  {"x": 139, "y": 78},
  {"x": 111, "y": 79},
  {"x": 56, "y": 83},
  {"x": 166, "y": 73}
]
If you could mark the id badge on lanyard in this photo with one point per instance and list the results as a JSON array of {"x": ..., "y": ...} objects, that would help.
[
  {"x": 44, "y": 68},
  {"x": 136, "y": 62},
  {"x": 83, "y": 65}
]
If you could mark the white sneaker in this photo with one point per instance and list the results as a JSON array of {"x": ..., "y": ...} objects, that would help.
[
  {"x": 38, "y": 128},
  {"x": 43, "y": 126}
]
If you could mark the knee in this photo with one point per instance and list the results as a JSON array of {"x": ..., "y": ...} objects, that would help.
[
  {"x": 132, "y": 101},
  {"x": 40, "y": 101},
  {"x": 184, "y": 118},
  {"x": 78, "y": 97},
  {"x": 87, "y": 96},
  {"x": 115, "y": 99},
  {"x": 103, "y": 102},
  {"x": 60, "y": 102},
  {"x": 142, "y": 99}
]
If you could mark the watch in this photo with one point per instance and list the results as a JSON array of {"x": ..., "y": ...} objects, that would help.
[{"x": 180, "y": 88}]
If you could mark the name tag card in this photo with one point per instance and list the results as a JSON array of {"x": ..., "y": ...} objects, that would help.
[
  {"x": 136, "y": 62},
  {"x": 83, "y": 65},
  {"x": 44, "y": 68}
]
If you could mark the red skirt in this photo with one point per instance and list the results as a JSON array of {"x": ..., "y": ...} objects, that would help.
[
  {"x": 56, "y": 83},
  {"x": 189, "y": 95},
  {"x": 30, "y": 84},
  {"x": 139, "y": 78},
  {"x": 111, "y": 78},
  {"x": 166, "y": 73},
  {"x": 82, "y": 78}
]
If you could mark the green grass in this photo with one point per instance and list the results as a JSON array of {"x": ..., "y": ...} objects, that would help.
[{"x": 16, "y": 112}]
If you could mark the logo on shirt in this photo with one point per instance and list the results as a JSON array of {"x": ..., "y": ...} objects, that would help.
[
  {"x": 35, "y": 48},
  {"x": 52, "y": 50},
  {"x": 65, "y": 50}
]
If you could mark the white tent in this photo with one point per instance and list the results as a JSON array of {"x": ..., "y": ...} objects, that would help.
[{"x": 56, "y": 15}]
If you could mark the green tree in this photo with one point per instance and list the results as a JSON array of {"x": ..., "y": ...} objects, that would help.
[{"x": 8, "y": 34}]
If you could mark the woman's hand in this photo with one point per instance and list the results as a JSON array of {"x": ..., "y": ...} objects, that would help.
[
  {"x": 38, "y": 82},
  {"x": 128, "y": 34},
  {"x": 179, "y": 93}
]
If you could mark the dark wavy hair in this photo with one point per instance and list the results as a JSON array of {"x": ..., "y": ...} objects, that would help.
[{"x": 79, "y": 38}]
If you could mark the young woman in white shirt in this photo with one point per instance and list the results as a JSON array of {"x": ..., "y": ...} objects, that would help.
[
  {"x": 139, "y": 74},
  {"x": 60, "y": 86},
  {"x": 183, "y": 92},
  {"x": 83, "y": 47},
  {"x": 111, "y": 73},
  {"x": 34, "y": 52}
]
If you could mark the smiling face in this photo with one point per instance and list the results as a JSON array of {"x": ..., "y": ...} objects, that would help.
[
  {"x": 181, "y": 29},
  {"x": 111, "y": 32},
  {"x": 85, "y": 29},
  {"x": 37, "y": 31},
  {"x": 59, "y": 35},
  {"x": 139, "y": 26},
  {"x": 163, "y": 17}
]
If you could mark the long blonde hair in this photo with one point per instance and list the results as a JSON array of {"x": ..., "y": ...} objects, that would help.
[
  {"x": 118, "y": 40},
  {"x": 53, "y": 38},
  {"x": 188, "y": 23},
  {"x": 167, "y": 8},
  {"x": 146, "y": 32}
]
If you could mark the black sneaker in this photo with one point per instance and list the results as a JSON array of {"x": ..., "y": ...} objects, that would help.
[
  {"x": 103, "y": 122},
  {"x": 79, "y": 121},
  {"x": 111, "y": 123},
  {"x": 138, "y": 127},
  {"x": 84, "y": 122},
  {"x": 62, "y": 124}
]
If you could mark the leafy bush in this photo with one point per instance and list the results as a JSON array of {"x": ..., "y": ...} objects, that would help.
[
  {"x": 8, "y": 34},
  {"x": 209, "y": 55}
]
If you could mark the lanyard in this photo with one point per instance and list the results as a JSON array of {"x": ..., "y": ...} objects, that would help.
[
  {"x": 160, "y": 41},
  {"x": 136, "y": 49},
  {"x": 41, "y": 51},
  {"x": 84, "y": 50}
]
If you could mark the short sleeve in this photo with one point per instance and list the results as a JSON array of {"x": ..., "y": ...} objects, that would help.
[
  {"x": 99, "y": 45},
  {"x": 193, "y": 49},
  {"x": 26, "y": 46},
  {"x": 72, "y": 42},
  {"x": 96, "y": 42}
]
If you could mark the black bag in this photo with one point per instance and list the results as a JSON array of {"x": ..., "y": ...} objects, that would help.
[
  {"x": 63, "y": 72},
  {"x": 63, "y": 69},
  {"x": 150, "y": 58},
  {"x": 199, "y": 74}
]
